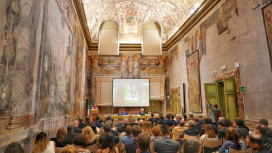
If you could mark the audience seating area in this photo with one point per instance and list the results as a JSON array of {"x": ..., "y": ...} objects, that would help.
[{"x": 123, "y": 134}]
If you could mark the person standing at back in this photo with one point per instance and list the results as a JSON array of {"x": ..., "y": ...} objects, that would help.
[{"x": 214, "y": 112}]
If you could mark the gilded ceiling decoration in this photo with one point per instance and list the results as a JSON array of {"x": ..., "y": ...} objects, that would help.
[{"x": 130, "y": 15}]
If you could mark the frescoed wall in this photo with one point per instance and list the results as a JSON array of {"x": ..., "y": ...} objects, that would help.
[{"x": 42, "y": 68}]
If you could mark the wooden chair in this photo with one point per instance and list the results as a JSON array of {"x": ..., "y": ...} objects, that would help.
[
  {"x": 92, "y": 148},
  {"x": 247, "y": 150},
  {"x": 122, "y": 148},
  {"x": 58, "y": 149},
  {"x": 176, "y": 134},
  {"x": 211, "y": 146},
  {"x": 189, "y": 136}
]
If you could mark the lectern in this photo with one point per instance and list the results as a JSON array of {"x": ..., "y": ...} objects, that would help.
[{"x": 95, "y": 112}]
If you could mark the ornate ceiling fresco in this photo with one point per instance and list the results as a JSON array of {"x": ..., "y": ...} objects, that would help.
[{"x": 130, "y": 15}]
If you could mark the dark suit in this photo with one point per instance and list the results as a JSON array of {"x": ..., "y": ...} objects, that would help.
[
  {"x": 77, "y": 130},
  {"x": 124, "y": 113},
  {"x": 191, "y": 132},
  {"x": 198, "y": 126},
  {"x": 222, "y": 133},
  {"x": 243, "y": 132},
  {"x": 142, "y": 113},
  {"x": 69, "y": 138},
  {"x": 268, "y": 132},
  {"x": 176, "y": 122},
  {"x": 98, "y": 124},
  {"x": 166, "y": 145},
  {"x": 131, "y": 147},
  {"x": 82, "y": 125},
  {"x": 58, "y": 144},
  {"x": 168, "y": 122}
]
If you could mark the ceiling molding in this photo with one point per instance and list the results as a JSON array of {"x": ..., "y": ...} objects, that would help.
[{"x": 203, "y": 10}]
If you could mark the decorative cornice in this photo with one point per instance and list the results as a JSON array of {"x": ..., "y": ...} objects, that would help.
[{"x": 203, "y": 10}]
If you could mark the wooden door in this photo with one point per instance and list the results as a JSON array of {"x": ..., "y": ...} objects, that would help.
[
  {"x": 212, "y": 94},
  {"x": 175, "y": 96},
  {"x": 230, "y": 98}
]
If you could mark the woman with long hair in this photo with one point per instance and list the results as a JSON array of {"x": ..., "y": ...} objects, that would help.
[
  {"x": 107, "y": 144},
  {"x": 146, "y": 128},
  {"x": 233, "y": 141},
  {"x": 209, "y": 135},
  {"x": 91, "y": 137},
  {"x": 61, "y": 135},
  {"x": 156, "y": 133},
  {"x": 43, "y": 144}
]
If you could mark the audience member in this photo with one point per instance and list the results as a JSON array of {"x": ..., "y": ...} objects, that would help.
[
  {"x": 107, "y": 144},
  {"x": 156, "y": 133},
  {"x": 91, "y": 137},
  {"x": 124, "y": 113},
  {"x": 132, "y": 146},
  {"x": 128, "y": 137},
  {"x": 81, "y": 124},
  {"x": 14, "y": 147},
  {"x": 76, "y": 129},
  {"x": 156, "y": 119},
  {"x": 161, "y": 119},
  {"x": 205, "y": 122},
  {"x": 221, "y": 129},
  {"x": 254, "y": 141},
  {"x": 69, "y": 149},
  {"x": 178, "y": 129},
  {"x": 178, "y": 119},
  {"x": 166, "y": 144},
  {"x": 94, "y": 128},
  {"x": 98, "y": 122},
  {"x": 151, "y": 119},
  {"x": 190, "y": 131},
  {"x": 209, "y": 134},
  {"x": 268, "y": 130},
  {"x": 197, "y": 125},
  {"x": 61, "y": 135},
  {"x": 168, "y": 122},
  {"x": 192, "y": 145},
  {"x": 261, "y": 130},
  {"x": 80, "y": 141},
  {"x": 143, "y": 143},
  {"x": 232, "y": 140},
  {"x": 70, "y": 135},
  {"x": 133, "y": 121},
  {"x": 146, "y": 128},
  {"x": 43, "y": 144},
  {"x": 142, "y": 113},
  {"x": 238, "y": 124},
  {"x": 107, "y": 129},
  {"x": 227, "y": 123}
]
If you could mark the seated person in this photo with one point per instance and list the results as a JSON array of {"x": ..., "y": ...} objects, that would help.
[
  {"x": 255, "y": 142},
  {"x": 142, "y": 113},
  {"x": 221, "y": 129},
  {"x": 264, "y": 122},
  {"x": 205, "y": 122},
  {"x": 238, "y": 124},
  {"x": 179, "y": 128},
  {"x": 131, "y": 147},
  {"x": 190, "y": 131},
  {"x": 143, "y": 143},
  {"x": 192, "y": 145},
  {"x": 168, "y": 122},
  {"x": 61, "y": 135},
  {"x": 124, "y": 113},
  {"x": 209, "y": 134},
  {"x": 14, "y": 147},
  {"x": 76, "y": 124},
  {"x": 107, "y": 144},
  {"x": 233, "y": 141},
  {"x": 70, "y": 135},
  {"x": 165, "y": 144},
  {"x": 128, "y": 137},
  {"x": 81, "y": 124}
]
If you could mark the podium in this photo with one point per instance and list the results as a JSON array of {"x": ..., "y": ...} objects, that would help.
[{"x": 94, "y": 112}]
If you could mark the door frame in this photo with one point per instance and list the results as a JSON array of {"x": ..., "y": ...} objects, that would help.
[
  {"x": 171, "y": 104},
  {"x": 236, "y": 75}
]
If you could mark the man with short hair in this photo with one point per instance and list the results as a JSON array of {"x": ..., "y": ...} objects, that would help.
[
  {"x": 134, "y": 121},
  {"x": 81, "y": 124},
  {"x": 192, "y": 145},
  {"x": 222, "y": 129},
  {"x": 254, "y": 141},
  {"x": 143, "y": 143},
  {"x": 268, "y": 130},
  {"x": 178, "y": 119},
  {"x": 97, "y": 122},
  {"x": 76, "y": 129},
  {"x": 197, "y": 125},
  {"x": 214, "y": 111},
  {"x": 151, "y": 119},
  {"x": 179, "y": 128},
  {"x": 190, "y": 131},
  {"x": 132, "y": 146},
  {"x": 166, "y": 144},
  {"x": 205, "y": 122},
  {"x": 261, "y": 130},
  {"x": 168, "y": 122},
  {"x": 127, "y": 138},
  {"x": 238, "y": 124},
  {"x": 70, "y": 135},
  {"x": 142, "y": 113},
  {"x": 107, "y": 129}
]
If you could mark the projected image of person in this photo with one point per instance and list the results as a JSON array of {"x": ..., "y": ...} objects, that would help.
[{"x": 133, "y": 92}]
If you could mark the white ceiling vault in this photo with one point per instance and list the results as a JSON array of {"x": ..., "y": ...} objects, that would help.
[{"x": 130, "y": 15}]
